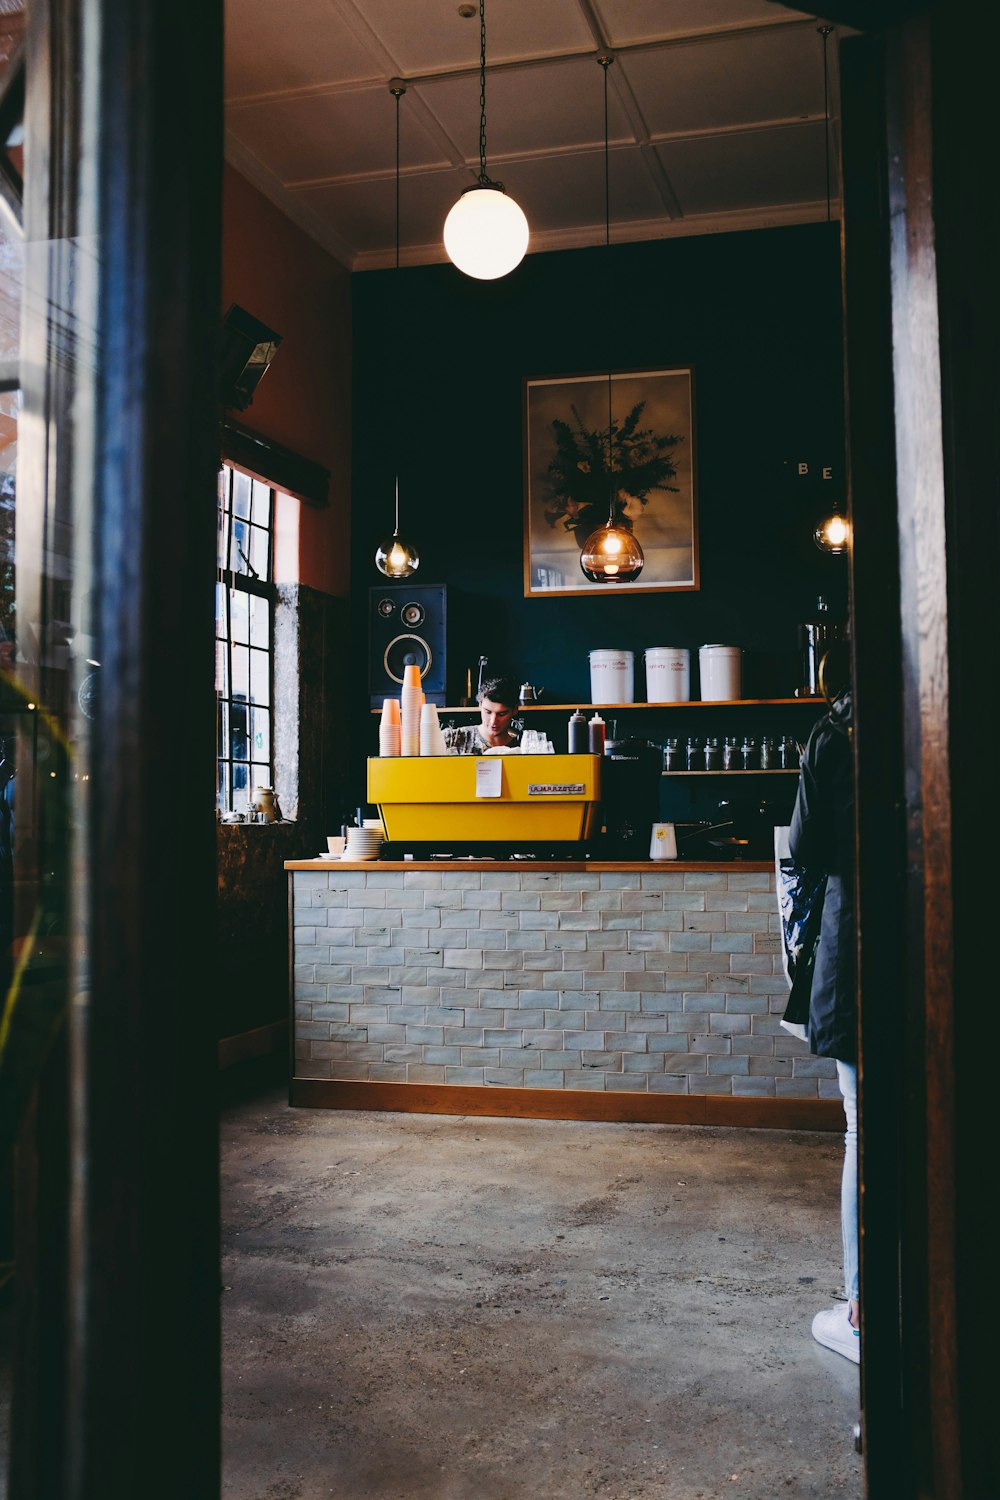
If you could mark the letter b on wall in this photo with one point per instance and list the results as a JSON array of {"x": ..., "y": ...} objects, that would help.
[{"x": 404, "y": 619}]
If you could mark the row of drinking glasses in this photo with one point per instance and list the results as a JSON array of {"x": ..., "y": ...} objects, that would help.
[{"x": 534, "y": 742}]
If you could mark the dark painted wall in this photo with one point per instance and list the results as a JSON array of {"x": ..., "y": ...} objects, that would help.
[{"x": 439, "y": 362}]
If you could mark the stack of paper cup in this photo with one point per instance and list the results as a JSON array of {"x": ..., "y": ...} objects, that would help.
[
  {"x": 389, "y": 729},
  {"x": 409, "y": 709},
  {"x": 431, "y": 733}
]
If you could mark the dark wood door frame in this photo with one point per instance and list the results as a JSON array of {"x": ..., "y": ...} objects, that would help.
[
  {"x": 117, "y": 1365},
  {"x": 921, "y": 250}
]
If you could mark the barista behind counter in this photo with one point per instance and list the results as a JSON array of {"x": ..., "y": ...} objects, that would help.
[{"x": 497, "y": 699}]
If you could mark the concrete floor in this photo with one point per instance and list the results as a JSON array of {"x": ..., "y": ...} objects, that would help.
[{"x": 425, "y": 1307}]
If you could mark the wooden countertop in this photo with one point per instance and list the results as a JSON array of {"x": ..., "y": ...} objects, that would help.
[{"x": 646, "y": 866}]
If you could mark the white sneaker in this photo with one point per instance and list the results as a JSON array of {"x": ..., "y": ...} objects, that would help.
[{"x": 833, "y": 1330}]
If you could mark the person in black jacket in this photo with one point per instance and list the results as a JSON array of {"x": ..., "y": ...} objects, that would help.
[{"x": 821, "y": 837}]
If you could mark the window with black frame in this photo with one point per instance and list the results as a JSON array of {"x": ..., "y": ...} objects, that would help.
[{"x": 244, "y": 638}]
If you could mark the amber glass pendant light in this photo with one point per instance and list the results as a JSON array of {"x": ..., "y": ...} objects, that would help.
[
  {"x": 486, "y": 233},
  {"x": 610, "y": 554},
  {"x": 833, "y": 532},
  {"x": 394, "y": 557}
]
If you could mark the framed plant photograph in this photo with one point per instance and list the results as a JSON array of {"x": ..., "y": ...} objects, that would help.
[{"x": 568, "y": 492}]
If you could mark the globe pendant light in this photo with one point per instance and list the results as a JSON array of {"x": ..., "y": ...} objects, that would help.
[
  {"x": 486, "y": 233},
  {"x": 394, "y": 557},
  {"x": 610, "y": 554},
  {"x": 833, "y": 533}
]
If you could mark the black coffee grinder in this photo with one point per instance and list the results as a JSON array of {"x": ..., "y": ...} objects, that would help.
[{"x": 630, "y": 796}]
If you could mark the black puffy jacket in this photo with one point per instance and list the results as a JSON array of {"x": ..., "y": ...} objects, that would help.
[{"x": 821, "y": 836}]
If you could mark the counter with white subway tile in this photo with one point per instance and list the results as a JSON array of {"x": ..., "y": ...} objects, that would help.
[{"x": 646, "y": 978}]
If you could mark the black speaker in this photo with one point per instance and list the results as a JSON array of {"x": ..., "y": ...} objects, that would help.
[{"x": 406, "y": 618}]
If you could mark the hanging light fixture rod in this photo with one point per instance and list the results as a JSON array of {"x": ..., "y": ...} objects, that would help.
[
  {"x": 395, "y": 557},
  {"x": 825, "y": 32},
  {"x": 485, "y": 233},
  {"x": 611, "y": 554}
]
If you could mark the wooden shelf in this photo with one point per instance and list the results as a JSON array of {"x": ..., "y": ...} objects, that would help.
[
  {"x": 535, "y": 708},
  {"x": 778, "y": 771}
]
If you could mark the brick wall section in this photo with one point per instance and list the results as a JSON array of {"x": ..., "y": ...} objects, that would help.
[{"x": 667, "y": 981}]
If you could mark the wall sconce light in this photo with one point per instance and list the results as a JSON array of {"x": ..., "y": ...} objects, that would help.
[
  {"x": 610, "y": 554},
  {"x": 394, "y": 557},
  {"x": 486, "y": 233},
  {"x": 833, "y": 534}
]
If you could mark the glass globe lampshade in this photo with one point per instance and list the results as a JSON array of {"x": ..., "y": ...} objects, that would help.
[
  {"x": 486, "y": 233},
  {"x": 611, "y": 554},
  {"x": 396, "y": 558},
  {"x": 832, "y": 534}
]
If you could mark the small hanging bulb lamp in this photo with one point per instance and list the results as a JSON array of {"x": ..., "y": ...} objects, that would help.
[
  {"x": 610, "y": 554},
  {"x": 486, "y": 233},
  {"x": 833, "y": 534},
  {"x": 394, "y": 557}
]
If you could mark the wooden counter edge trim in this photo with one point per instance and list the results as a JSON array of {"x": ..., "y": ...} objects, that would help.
[
  {"x": 547, "y": 866},
  {"x": 569, "y": 1104}
]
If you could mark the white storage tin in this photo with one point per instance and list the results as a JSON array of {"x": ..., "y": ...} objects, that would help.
[
  {"x": 668, "y": 674},
  {"x": 612, "y": 676},
  {"x": 721, "y": 673}
]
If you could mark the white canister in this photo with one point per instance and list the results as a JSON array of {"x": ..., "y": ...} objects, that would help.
[
  {"x": 668, "y": 674},
  {"x": 721, "y": 673},
  {"x": 663, "y": 841},
  {"x": 612, "y": 677}
]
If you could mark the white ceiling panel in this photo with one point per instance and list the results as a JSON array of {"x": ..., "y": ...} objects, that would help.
[
  {"x": 716, "y": 85},
  {"x": 264, "y": 54},
  {"x": 319, "y": 136},
  {"x": 561, "y": 104},
  {"x": 632, "y": 22},
  {"x": 429, "y": 36},
  {"x": 568, "y": 194},
  {"x": 761, "y": 168}
]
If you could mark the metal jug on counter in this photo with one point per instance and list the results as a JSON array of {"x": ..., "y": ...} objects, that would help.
[{"x": 815, "y": 638}]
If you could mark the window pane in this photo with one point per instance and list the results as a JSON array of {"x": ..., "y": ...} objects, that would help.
[
  {"x": 258, "y": 554},
  {"x": 241, "y": 798},
  {"x": 260, "y": 726},
  {"x": 241, "y": 672},
  {"x": 239, "y": 604},
  {"x": 260, "y": 677},
  {"x": 241, "y": 494},
  {"x": 221, "y": 668},
  {"x": 239, "y": 552},
  {"x": 261, "y": 512},
  {"x": 238, "y": 744},
  {"x": 221, "y": 522},
  {"x": 260, "y": 621}
]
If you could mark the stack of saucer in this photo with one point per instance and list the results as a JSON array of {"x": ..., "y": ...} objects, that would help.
[{"x": 363, "y": 843}]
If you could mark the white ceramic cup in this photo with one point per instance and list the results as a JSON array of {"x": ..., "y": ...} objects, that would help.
[
  {"x": 335, "y": 843},
  {"x": 663, "y": 841}
]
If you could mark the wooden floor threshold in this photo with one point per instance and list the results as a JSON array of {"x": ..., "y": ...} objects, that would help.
[
  {"x": 569, "y": 1104},
  {"x": 257, "y": 1043}
]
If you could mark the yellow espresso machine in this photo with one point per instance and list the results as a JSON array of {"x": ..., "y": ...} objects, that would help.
[{"x": 494, "y": 805}]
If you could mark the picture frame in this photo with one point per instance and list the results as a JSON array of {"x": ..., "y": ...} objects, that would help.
[{"x": 566, "y": 490}]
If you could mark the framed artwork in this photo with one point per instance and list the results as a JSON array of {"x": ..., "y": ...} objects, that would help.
[{"x": 567, "y": 494}]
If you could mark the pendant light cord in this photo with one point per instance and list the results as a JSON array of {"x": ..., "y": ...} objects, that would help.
[
  {"x": 484, "y": 178},
  {"x": 824, "y": 32},
  {"x": 397, "y": 89},
  {"x": 605, "y": 59}
]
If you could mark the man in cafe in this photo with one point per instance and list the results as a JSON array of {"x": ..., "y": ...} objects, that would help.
[{"x": 497, "y": 699}]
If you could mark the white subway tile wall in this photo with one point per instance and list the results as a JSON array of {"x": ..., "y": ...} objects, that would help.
[{"x": 661, "y": 981}]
